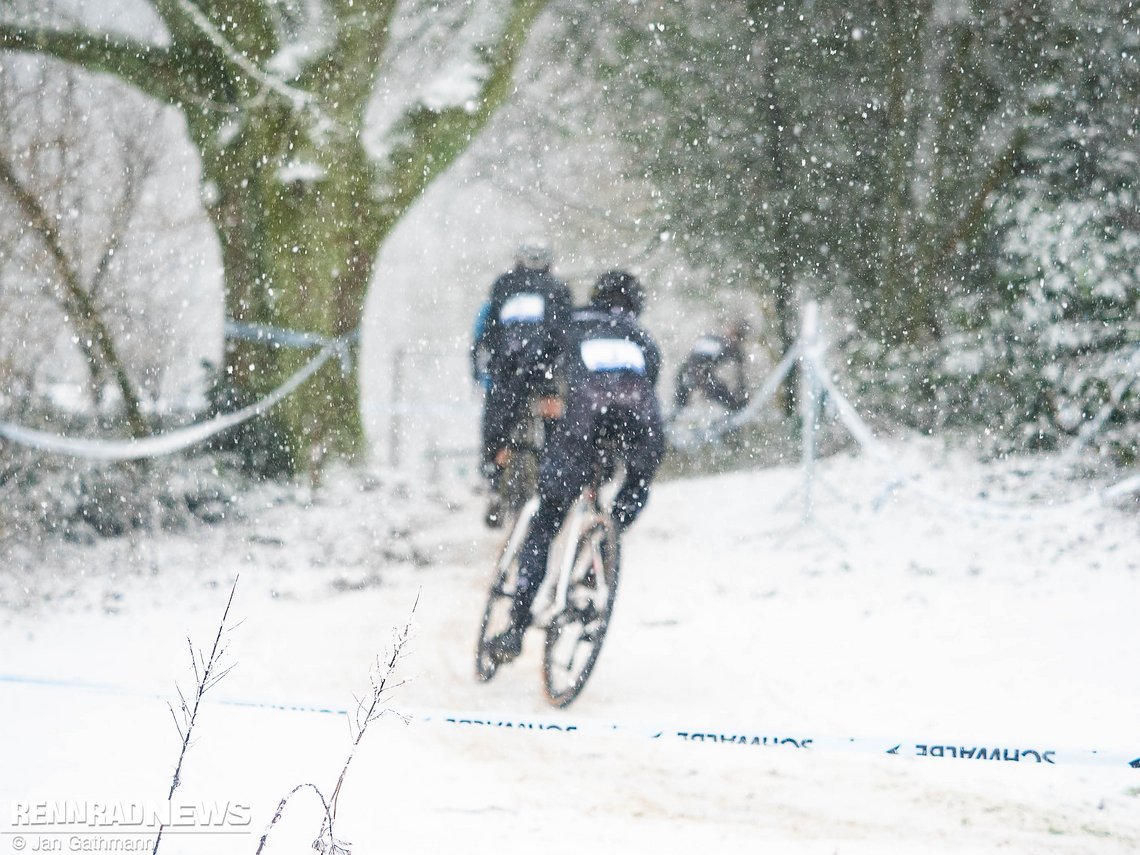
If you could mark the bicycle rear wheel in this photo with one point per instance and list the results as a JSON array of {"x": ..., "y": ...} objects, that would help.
[{"x": 574, "y": 636}]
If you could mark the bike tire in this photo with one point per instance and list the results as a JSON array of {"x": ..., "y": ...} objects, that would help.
[
  {"x": 497, "y": 612},
  {"x": 575, "y": 635}
]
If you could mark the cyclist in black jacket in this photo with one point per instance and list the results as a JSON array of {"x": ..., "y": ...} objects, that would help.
[
  {"x": 610, "y": 365},
  {"x": 516, "y": 346}
]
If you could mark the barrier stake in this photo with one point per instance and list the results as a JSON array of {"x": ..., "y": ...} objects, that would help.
[{"x": 809, "y": 399}]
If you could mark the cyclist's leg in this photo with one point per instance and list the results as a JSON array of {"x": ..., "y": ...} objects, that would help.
[
  {"x": 531, "y": 570},
  {"x": 497, "y": 408},
  {"x": 643, "y": 449},
  {"x": 564, "y": 471},
  {"x": 506, "y": 403},
  {"x": 719, "y": 393}
]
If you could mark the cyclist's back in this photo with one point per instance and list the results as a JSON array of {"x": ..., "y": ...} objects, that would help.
[
  {"x": 520, "y": 339},
  {"x": 611, "y": 366},
  {"x": 526, "y": 316}
]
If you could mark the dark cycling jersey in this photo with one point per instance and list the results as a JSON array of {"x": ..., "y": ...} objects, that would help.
[{"x": 601, "y": 344}]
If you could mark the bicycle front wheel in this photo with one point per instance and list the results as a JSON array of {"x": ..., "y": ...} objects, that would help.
[
  {"x": 500, "y": 599},
  {"x": 574, "y": 636}
]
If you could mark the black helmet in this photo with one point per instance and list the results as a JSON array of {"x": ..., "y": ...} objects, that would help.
[{"x": 618, "y": 290}]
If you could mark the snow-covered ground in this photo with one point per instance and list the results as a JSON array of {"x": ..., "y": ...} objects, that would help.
[{"x": 736, "y": 616}]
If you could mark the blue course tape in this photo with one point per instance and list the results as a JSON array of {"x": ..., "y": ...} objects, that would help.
[
  {"x": 940, "y": 749},
  {"x": 987, "y": 751},
  {"x": 110, "y": 689}
]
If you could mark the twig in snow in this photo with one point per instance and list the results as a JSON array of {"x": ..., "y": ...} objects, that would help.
[
  {"x": 368, "y": 709},
  {"x": 299, "y": 99},
  {"x": 207, "y": 674}
]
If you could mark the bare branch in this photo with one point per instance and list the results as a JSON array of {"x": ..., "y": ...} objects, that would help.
[
  {"x": 281, "y": 811},
  {"x": 253, "y": 14},
  {"x": 945, "y": 246},
  {"x": 139, "y": 164},
  {"x": 369, "y": 709},
  {"x": 193, "y": 660},
  {"x": 95, "y": 338},
  {"x": 300, "y": 99},
  {"x": 379, "y": 676},
  {"x": 205, "y": 680},
  {"x": 177, "y": 725},
  {"x": 148, "y": 66}
]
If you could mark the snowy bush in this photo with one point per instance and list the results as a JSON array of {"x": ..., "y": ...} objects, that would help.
[
  {"x": 1050, "y": 354},
  {"x": 46, "y": 497}
]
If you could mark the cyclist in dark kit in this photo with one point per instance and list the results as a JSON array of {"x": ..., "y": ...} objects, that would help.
[
  {"x": 610, "y": 366},
  {"x": 515, "y": 346},
  {"x": 702, "y": 371}
]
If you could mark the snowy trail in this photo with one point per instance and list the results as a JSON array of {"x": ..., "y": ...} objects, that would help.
[{"x": 732, "y": 613}]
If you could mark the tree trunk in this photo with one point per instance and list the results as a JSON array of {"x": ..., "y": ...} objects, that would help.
[
  {"x": 787, "y": 324},
  {"x": 298, "y": 249}
]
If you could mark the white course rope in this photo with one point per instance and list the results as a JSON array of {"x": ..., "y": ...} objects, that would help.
[{"x": 166, "y": 443}]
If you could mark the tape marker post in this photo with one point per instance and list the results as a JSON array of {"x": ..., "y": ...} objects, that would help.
[{"x": 994, "y": 752}]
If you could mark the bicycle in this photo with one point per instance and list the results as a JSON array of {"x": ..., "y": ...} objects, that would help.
[{"x": 578, "y": 602}]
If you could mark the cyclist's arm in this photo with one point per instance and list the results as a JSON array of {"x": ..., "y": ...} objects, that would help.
[
  {"x": 480, "y": 348},
  {"x": 652, "y": 357}
]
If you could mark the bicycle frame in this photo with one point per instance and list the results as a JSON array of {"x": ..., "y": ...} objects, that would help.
[
  {"x": 572, "y": 529},
  {"x": 575, "y": 523},
  {"x": 518, "y": 532}
]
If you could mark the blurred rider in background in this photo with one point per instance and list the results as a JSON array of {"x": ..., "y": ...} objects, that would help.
[{"x": 714, "y": 369}]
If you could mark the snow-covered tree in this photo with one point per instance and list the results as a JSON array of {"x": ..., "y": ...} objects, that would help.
[
  {"x": 935, "y": 167},
  {"x": 836, "y": 144},
  {"x": 1057, "y": 346},
  {"x": 279, "y": 97}
]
